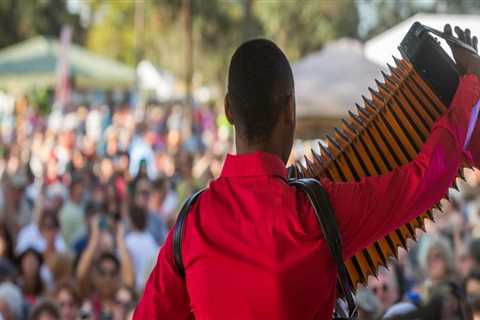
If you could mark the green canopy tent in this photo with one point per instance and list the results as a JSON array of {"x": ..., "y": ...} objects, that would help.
[{"x": 34, "y": 62}]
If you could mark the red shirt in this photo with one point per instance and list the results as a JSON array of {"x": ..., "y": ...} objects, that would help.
[{"x": 252, "y": 248}]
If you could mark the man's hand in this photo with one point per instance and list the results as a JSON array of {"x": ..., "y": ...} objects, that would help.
[{"x": 467, "y": 62}]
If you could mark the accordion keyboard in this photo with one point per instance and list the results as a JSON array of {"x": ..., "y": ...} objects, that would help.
[{"x": 386, "y": 132}]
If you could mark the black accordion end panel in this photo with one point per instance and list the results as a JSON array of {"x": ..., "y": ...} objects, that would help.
[{"x": 429, "y": 59}]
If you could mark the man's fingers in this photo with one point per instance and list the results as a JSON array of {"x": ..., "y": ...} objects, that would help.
[
  {"x": 447, "y": 29},
  {"x": 459, "y": 33},
  {"x": 468, "y": 38}
]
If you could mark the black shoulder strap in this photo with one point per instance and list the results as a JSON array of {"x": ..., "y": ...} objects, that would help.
[
  {"x": 320, "y": 203},
  {"x": 178, "y": 231},
  {"x": 328, "y": 224}
]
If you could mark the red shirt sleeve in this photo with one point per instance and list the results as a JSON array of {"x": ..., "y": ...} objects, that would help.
[
  {"x": 165, "y": 295},
  {"x": 472, "y": 154},
  {"x": 375, "y": 206}
]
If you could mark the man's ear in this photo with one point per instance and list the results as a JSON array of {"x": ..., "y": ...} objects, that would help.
[{"x": 228, "y": 112}]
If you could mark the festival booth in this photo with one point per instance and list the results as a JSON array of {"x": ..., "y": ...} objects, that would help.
[
  {"x": 380, "y": 48},
  {"x": 327, "y": 85},
  {"x": 34, "y": 62}
]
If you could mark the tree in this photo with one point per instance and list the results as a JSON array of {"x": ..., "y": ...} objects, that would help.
[
  {"x": 303, "y": 27},
  {"x": 457, "y": 6},
  {"x": 218, "y": 28},
  {"x": 22, "y": 19},
  {"x": 112, "y": 31}
]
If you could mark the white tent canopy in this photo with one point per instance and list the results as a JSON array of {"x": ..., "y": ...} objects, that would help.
[
  {"x": 153, "y": 79},
  {"x": 380, "y": 49},
  {"x": 330, "y": 81}
]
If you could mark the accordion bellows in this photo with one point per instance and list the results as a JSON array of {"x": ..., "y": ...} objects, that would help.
[{"x": 386, "y": 132}]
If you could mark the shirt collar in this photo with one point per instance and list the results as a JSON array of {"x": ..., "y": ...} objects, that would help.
[{"x": 253, "y": 164}]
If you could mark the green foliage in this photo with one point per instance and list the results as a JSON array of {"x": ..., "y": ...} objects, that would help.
[
  {"x": 112, "y": 31},
  {"x": 218, "y": 28},
  {"x": 300, "y": 27},
  {"x": 22, "y": 19},
  {"x": 215, "y": 32},
  {"x": 40, "y": 99},
  {"x": 457, "y": 6}
]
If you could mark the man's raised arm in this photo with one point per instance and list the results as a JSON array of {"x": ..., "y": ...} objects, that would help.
[{"x": 370, "y": 209}]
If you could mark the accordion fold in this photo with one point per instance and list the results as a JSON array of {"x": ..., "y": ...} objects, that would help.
[{"x": 387, "y": 131}]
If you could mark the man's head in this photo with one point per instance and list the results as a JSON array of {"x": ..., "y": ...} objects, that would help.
[{"x": 260, "y": 102}]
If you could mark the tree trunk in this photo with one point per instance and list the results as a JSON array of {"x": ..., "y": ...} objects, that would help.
[
  {"x": 187, "y": 12},
  {"x": 247, "y": 19},
  {"x": 187, "y": 110}
]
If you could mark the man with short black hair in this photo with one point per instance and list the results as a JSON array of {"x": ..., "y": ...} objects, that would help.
[{"x": 252, "y": 247}]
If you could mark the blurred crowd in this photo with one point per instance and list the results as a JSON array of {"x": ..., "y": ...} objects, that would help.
[
  {"x": 439, "y": 277},
  {"x": 87, "y": 198}
]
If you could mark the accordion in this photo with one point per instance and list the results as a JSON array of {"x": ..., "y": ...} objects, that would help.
[{"x": 388, "y": 131}]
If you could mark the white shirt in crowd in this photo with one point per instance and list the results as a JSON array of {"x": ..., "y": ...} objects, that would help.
[
  {"x": 143, "y": 250},
  {"x": 30, "y": 237}
]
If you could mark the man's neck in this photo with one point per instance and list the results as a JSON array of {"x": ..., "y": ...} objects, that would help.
[{"x": 243, "y": 147}]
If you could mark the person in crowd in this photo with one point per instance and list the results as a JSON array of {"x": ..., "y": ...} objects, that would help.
[
  {"x": 472, "y": 291},
  {"x": 45, "y": 310},
  {"x": 368, "y": 304},
  {"x": 97, "y": 251},
  {"x": 105, "y": 171},
  {"x": 72, "y": 212},
  {"x": 474, "y": 252},
  {"x": 11, "y": 302},
  {"x": 106, "y": 281},
  {"x": 121, "y": 175},
  {"x": 60, "y": 269},
  {"x": 68, "y": 300},
  {"x": 92, "y": 209},
  {"x": 385, "y": 287},
  {"x": 30, "y": 279},
  {"x": 142, "y": 198},
  {"x": 124, "y": 303},
  {"x": 449, "y": 300},
  {"x": 186, "y": 184},
  {"x": 6, "y": 243},
  {"x": 50, "y": 230},
  {"x": 141, "y": 245},
  {"x": 43, "y": 235},
  {"x": 142, "y": 157},
  {"x": 402, "y": 310},
  {"x": 8, "y": 271},
  {"x": 56, "y": 259},
  {"x": 464, "y": 262},
  {"x": 163, "y": 204},
  {"x": 436, "y": 261}
]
